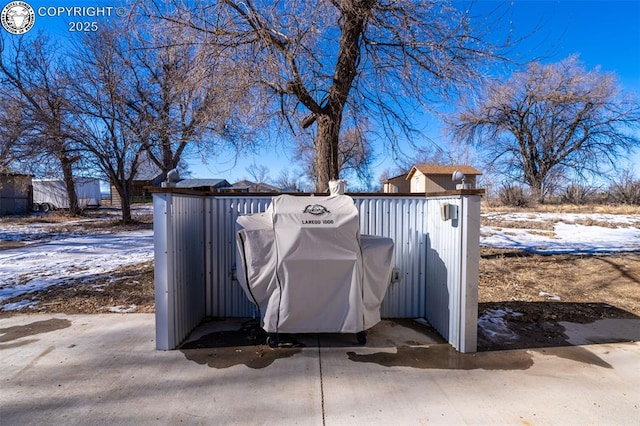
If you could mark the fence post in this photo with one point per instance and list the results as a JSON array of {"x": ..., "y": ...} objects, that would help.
[
  {"x": 163, "y": 271},
  {"x": 469, "y": 273}
]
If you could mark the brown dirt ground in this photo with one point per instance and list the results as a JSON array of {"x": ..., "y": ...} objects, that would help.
[{"x": 513, "y": 275}]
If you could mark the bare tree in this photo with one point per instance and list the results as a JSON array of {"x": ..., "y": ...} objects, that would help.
[
  {"x": 259, "y": 173},
  {"x": 625, "y": 188},
  {"x": 31, "y": 70},
  {"x": 371, "y": 58},
  {"x": 109, "y": 129},
  {"x": 13, "y": 132},
  {"x": 293, "y": 181},
  {"x": 152, "y": 93},
  {"x": 550, "y": 120},
  {"x": 185, "y": 90}
]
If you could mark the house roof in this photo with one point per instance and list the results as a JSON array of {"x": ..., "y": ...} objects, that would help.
[
  {"x": 438, "y": 169},
  {"x": 395, "y": 178},
  {"x": 195, "y": 183},
  {"x": 258, "y": 187}
]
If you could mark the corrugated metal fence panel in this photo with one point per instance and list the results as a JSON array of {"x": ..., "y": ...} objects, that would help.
[
  {"x": 402, "y": 220},
  {"x": 445, "y": 307},
  {"x": 443, "y": 258},
  {"x": 226, "y": 296},
  {"x": 178, "y": 224},
  {"x": 189, "y": 268}
]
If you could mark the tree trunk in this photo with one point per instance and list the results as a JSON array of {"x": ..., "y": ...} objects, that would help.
[
  {"x": 67, "y": 175},
  {"x": 126, "y": 209},
  {"x": 537, "y": 192},
  {"x": 326, "y": 142},
  {"x": 125, "y": 203}
]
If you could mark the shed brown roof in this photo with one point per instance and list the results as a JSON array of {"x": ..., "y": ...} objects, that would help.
[
  {"x": 438, "y": 169},
  {"x": 399, "y": 177}
]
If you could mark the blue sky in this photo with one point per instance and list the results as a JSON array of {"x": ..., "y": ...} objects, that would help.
[{"x": 603, "y": 33}]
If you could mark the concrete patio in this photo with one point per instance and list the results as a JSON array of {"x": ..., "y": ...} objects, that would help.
[{"x": 103, "y": 369}]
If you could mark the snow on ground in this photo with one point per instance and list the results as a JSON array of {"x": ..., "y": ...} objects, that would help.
[
  {"x": 36, "y": 231},
  {"x": 85, "y": 257},
  {"x": 494, "y": 326},
  {"x": 614, "y": 219},
  {"x": 53, "y": 255},
  {"x": 622, "y": 233}
]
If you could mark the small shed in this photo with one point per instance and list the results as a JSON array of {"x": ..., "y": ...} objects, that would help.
[
  {"x": 397, "y": 184},
  {"x": 16, "y": 193},
  {"x": 434, "y": 178},
  {"x": 138, "y": 192}
]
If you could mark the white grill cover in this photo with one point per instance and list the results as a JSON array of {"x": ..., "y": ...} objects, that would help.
[{"x": 305, "y": 265}]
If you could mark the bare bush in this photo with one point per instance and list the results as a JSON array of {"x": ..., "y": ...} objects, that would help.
[
  {"x": 578, "y": 194},
  {"x": 626, "y": 190},
  {"x": 514, "y": 195}
]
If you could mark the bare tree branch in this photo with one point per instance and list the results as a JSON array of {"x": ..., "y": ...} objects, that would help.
[
  {"x": 550, "y": 119},
  {"x": 383, "y": 59}
]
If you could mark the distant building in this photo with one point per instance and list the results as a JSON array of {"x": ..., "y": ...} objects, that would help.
[
  {"x": 152, "y": 178},
  {"x": 398, "y": 184},
  {"x": 248, "y": 186},
  {"x": 138, "y": 192},
  {"x": 16, "y": 194},
  {"x": 203, "y": 184},
  {"x": 429, "y": 178}
]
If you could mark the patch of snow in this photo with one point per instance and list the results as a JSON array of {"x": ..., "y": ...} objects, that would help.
[
  {"x": 86, "y": 257},
  {"x": 570, "y": 218},
  {"x": 122, "y": 309},
  {"x": 493, "y": 324},
  {"x": 549, "y": 296},
  {"x": 568, "y": 238},
  {"x": 18, "y": 305}
]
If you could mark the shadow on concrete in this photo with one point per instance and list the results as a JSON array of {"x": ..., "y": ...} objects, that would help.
[
  {"x": 11, "y": 334},
  {"x": 518, "y": 331},
  {"x": 527, "y": 325}
]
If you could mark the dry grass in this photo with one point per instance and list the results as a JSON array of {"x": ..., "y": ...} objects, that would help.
[
  {"x": 510, "y": 275},
  {"x": 518, "y": 224},
  {"x": 52, "y": 217},
  {"x": 565, "y": 208}
]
